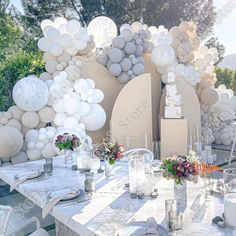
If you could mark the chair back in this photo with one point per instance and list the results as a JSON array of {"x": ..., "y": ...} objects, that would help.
[{"x": 5, "y": 214}]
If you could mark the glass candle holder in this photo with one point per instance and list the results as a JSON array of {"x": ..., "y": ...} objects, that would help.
[
  {"x": 89, "y": 183},
  {"x": 136, "y": 173},
  {"x": 47, "y": 168},
  {"x": 229, "y": 176}
]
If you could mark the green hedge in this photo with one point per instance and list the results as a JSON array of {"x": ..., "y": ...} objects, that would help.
[
  {"x": 226, "y": 77},
  {"x": 15, "y": 67}
]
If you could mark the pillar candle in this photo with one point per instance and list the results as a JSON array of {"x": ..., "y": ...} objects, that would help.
[{"x": 230, "y": 209}]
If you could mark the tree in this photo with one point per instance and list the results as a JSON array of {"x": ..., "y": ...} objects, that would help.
[
  {"x": 213, "y": 42},
  {"x": 227, "y": 77},
  {"x": 4, "y": 4},
  {"x": 19, "y": 56},
  {"x": 152, "y": 12},
  {"x": 15, "y": 67},
  {"x": 9, "y": 32}
]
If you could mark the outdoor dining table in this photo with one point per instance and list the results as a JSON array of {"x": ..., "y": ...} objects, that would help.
[{"x": 111, "y": 205}]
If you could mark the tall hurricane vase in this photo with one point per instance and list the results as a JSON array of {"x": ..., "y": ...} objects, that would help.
[
  {"x": 180, "y": 195},
  {"x": 109, "y": 169},
  {"x": 68, "y": 154}
]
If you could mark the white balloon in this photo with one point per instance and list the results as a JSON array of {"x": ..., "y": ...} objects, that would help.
[
  {"x": 33, "y": 154},
  {"x": 66, "y": 40},
  {"x": 56, "y": 49},
  {"x": 72, "y": 26},
  {"x": 71, "y": 104},
  {"x": 103, "y": 29},
  {"x": 84, "y": 109},
  {"x": 59, "y": 21},
  {"x": 48, "y": 151},
  {"x": 59, "y": 119},
  {"x": 70, "y": 123},
  {"x": 98, "y": 96},
  {"x": 39, "y": 145},
  {"x": 30, "y": 94},
  {"x": 53, "y": 34},
  {"x": 31, "y": 136},
  {"x": 46, "y": 23},
  {"x": 44, "y": 44},
  {"x": 31, "y": 145},
  {"x": 81, "y": 86},
  {"x": 96, "y": 118},
  {"x": 80, "y": 44}
]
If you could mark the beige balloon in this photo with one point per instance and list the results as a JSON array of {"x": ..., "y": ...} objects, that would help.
[
  {"x": 30, "y": 119},
  {"x": 46, "y": 115},
  {"x": 11, "y": 142},
  {"x": 15, "y": 123},
  {"x": 16, "y": 112},
  {"x": 209, "y": 96}
]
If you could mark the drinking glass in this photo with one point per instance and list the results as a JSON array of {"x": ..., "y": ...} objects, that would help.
[{"x": 229, "y": 176}]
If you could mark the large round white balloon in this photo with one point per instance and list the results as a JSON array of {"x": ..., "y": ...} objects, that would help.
[
  {"x": 30, "y": 94},
  {"x": 96, "y": 118},
  {"x": 104, "y": 30},
  {"x": 11, "y": 142}
]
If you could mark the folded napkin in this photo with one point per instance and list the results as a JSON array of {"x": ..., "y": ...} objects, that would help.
[
  {"x": 25, "y": 176},
  {"x": 151, "y": 228},
  {"x": 58, "y": 196}
]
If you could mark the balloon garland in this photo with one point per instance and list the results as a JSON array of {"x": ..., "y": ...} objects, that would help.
[{"x": 63, "y": 99}]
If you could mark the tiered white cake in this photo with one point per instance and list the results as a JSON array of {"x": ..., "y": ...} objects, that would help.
[{"x": 173, "y": 99}]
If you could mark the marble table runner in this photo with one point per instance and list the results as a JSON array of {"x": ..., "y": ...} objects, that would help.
[{"x": 111, "y": 205}]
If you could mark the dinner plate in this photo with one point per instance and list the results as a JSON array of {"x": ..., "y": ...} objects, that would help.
[
  {"x": 139, "y": 228},
  {"x": 38, "y": 174},
  {"x": 69, "y": 196}
]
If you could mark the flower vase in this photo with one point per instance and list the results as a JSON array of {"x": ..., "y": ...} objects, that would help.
[
  {"x": 109, "y": 169},
  {"x": 180, "y": 195},
  {"x": 68, "y": 154}
]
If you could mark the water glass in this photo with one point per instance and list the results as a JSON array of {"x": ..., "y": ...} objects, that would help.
[{"x": 229, "y": 176}]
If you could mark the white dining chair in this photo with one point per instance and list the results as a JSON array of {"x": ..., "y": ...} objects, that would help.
[
  {"x": 5, "y": 214},
  {"x": 233, "y": 125}
]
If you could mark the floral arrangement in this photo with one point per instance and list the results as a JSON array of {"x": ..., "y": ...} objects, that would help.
[
  {"x": 109, "y": 151},
  {"x": 67, "y": 141},
  {"x": 181, "y": 168}
]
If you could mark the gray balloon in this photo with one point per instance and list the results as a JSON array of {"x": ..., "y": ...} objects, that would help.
[
  {"x": 138, "y": 41},
  {"x": 132, "y": 76},
  {"x": 102, "y": 59},
  {"x": 107, "y": 49},
  {"x": 140, "y": 59},
  {"x": 132, "y": 56},
  {"x": 123, "y": 78},
  {"x": 126, "y": 64},
  {"x": 118, "y": 42},
  {"x": 130, "y": 72},
  {"x": 138, "y": 69},
  {"x": 139, "y": 50},
  {"x": 148, "y": 46},
  {"x": 115, "y": 55},
  {"x": 127, "y": 34},
  {"x": 134, "y": 61},
  {"x": 130, "y": 48},
  {"x": 115, "y": 69},
  {"x": 109, "y": 63}
]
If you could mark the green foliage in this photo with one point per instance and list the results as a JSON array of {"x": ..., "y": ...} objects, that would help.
[
  {"x": 9, "y": 36},
  {"x": 15, "y": 67},
  {"x": 152, "y": 12},
  {"x": 227, "y": 77},
  {"x": 214, "y": 42}
]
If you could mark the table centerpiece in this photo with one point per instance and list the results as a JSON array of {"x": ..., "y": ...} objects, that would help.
[
  {"x": 181, "y": 169},
  {"x": 110, "y": 152},
  {"x": 68, "y": 143}
]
